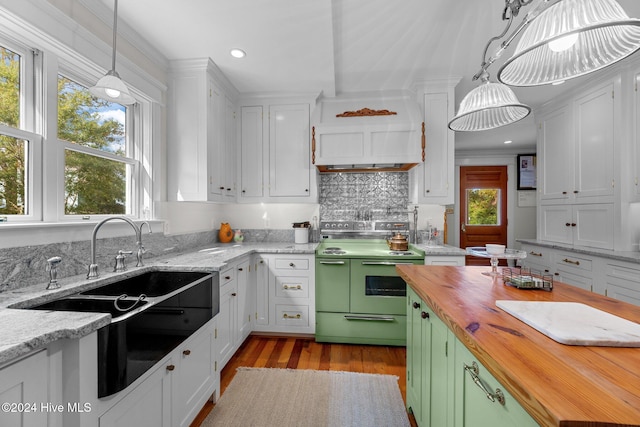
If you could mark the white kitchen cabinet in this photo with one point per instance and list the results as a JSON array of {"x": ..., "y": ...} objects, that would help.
[
  {"x": 251, "y": 154},
  {"x": 589, "y": 225},
  {"x": 289, "y": 151},
  {"x": 194, "y": 379},
  {"x": 537, "y": 259},
  {"x": 228, "y": 169},
  {"x": 623, "y": 281},
  {"x": 457, "y": 260},
  {"x": 261, "y": 264},
  {"x": 291, "y": 294},
  {"x": 555, "y": 154},
  {"x": 147, "y": 405},
  {"x": 275, "y": 162},
  {"x": 23, "y": 386},
  {"x": 434, "y": 178},
  {"x": 227, "y": 317},
  {"x": 574, "y": 269},
  {"x": 237, "y": 306},
  {"x": 173, "y": 392},
  {"x": 578, "y": 143},
  {"x": 199, "y": 143}
]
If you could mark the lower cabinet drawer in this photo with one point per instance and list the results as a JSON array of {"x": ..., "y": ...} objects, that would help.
[
  {"x": 361, "y": 328},
  {"x": 292, "y": 315},
  {"x": 292, "y": 287}
]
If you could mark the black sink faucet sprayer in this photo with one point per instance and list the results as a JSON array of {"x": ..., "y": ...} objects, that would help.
[{"x": 93, "y": 267}]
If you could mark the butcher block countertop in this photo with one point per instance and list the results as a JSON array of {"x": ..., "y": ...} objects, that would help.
[{"x": 558, "y": 384}]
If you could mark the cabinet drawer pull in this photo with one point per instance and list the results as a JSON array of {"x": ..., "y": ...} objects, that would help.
[
  {"x": 569, "y": 261},
  {"x": 288, "y": 316},
  {"x": 286, "y": 287},
  {"x": 332, "y": 262},
  {"x": 171, "y": 367},
  {"x": 473, "y": 370},
  {"x": 535, "y": 253},
  {"x": 186, "y": 352},
  {"x": 371, "y": 318}
]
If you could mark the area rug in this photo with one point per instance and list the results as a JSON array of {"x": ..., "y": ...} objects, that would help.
[{"x": 269, "y": 397}]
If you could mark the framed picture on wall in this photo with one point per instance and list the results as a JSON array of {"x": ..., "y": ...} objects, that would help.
[{"x": 526, "y": 171}]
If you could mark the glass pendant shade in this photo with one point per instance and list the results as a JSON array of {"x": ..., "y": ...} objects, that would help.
[
  {"x": 570, "y": 39},
  {"x": 489, "y": 106},
  {"x": 111, "y": 88}
]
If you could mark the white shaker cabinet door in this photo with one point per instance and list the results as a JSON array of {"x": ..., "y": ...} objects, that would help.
[
  {"x": 289, "y": 150},
  {"x": 556, "y": 149},
  {"x": 595, "y": 144},
  {"x": 251, "y": 154}
]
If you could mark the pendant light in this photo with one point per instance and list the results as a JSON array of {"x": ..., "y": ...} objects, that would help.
[
  {"x": 569, "y": 39},
  {"x": 489, "y": 106},
  {"x": 111, "y": 87}
]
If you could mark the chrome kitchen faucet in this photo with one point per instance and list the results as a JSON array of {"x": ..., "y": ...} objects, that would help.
[{"x": 93, "y": 267}]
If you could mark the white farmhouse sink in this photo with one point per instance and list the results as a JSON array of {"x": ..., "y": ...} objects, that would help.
[{"x": 575, "y": 323}]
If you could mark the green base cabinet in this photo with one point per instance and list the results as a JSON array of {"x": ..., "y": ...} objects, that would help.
[
  {"x": 477, "y": 407},
  {"x": 440, "y": 391}
]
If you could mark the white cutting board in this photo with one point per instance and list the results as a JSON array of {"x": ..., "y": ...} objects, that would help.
[{"x": 575, "y": 323}]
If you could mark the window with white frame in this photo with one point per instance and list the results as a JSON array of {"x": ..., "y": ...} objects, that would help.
[
  {"x": 17, "y": 143},
  {"x": 98, "y": 159},
  {"x": 100, "y": 167}
]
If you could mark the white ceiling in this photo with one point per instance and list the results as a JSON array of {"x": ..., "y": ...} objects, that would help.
[{"x": 340, "y": 46}]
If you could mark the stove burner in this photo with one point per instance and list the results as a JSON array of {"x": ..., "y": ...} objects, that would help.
[
  {"x": 401, "y": 253},
  {"x": 334, "y": 251}
]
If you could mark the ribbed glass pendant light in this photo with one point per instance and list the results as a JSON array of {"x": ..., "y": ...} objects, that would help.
[
  {"x": 570, "y": 39},
  {"x": 488, "y": 106}
]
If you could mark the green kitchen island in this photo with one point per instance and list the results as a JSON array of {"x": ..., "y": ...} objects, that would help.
[{"x": 469, "y": 363}]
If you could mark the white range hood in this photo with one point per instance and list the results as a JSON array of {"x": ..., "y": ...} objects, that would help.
[{"x": 366, "y": 133}]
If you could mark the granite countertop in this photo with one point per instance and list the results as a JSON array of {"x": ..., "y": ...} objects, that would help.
[
  {"x": 628, "y": 256},
  {"x": 26, "y": 330},
  {"x": 441, "y": 250}
]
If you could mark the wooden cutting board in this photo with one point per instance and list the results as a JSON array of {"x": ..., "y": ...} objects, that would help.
[{"x": 574, "y": 323}]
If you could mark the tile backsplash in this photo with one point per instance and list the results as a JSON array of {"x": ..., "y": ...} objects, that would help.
[{"x": 367, "y": 195}]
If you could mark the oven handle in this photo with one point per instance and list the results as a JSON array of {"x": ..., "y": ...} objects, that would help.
[
  {"x": 332, "y": 262},
  {"x": 385, "y": 263},
  {"x": 371, "y": 318}
]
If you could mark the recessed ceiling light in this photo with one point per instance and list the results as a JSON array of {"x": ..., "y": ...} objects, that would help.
[
  {"x": 238, "y": 53},
  {"x": 508, "y": 141}
]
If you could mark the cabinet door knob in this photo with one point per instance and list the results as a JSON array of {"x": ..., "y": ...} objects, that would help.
[
  {"x": 240, "y": 269},
  {"x": 568, "y": 224},
  {"x": 171, "y": 367},
  {"x": 573, "y": 224},
  {"x": 227, "y": 277},
  {"x": 234, "y": 294},
  {"x": 291, "y": 264},
  {"x": 186, "y": 352},
  {"x": 424, "y": 315},
  {"x": 416, "y": 304},
  {"x": 222, "y": 188}
]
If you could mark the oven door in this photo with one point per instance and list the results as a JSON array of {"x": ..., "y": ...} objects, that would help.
[{"x": 376, "y": 287}]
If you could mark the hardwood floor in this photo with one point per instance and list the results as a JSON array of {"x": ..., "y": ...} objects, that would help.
[{"x": 304, "y": 353}]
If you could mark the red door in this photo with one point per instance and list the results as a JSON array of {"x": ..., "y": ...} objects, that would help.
[{"x": 483, "y": 208}]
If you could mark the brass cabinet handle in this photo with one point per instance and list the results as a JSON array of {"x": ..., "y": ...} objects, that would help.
[
  {"x": 473, "y": 370},
  {"x": 186, "y": 352},
  {"x": 291, "y": 287},
  {"x": 535, "y": 253},
  {"x": 287, "y": 316},
  {"x": 569, "y": 261},
  {"x": 171, "y": 367}
]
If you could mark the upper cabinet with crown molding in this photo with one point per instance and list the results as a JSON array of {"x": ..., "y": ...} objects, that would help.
[
  {"x": 433, "y": 180},
  {"x": 201, "y": 133},
  {"x": 274, "y": 163}
]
